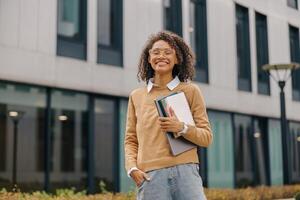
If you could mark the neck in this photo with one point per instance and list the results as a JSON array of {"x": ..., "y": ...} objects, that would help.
[{"x": 162, "y": 79}]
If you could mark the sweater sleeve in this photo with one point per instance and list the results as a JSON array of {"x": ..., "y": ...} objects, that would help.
[
  {"x": 130, "y": 141},
  {"x": 201, "y": 133}
]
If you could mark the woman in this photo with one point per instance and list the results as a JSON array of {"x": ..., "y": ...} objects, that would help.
[{"x": 167, "y": 66}]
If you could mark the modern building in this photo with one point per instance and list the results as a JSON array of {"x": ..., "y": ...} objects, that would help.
[{"x": 69, "y": 66}]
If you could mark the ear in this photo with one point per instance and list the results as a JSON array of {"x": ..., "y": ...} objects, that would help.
[{"x": 148, "y": 58}]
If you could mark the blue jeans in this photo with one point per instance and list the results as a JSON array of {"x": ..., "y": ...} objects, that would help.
[{"x": 180, "y": 182}]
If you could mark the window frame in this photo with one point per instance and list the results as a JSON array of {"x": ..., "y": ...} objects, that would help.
[
  {"x": 262, "y": 52},
  {"x": 242, "y": 13}
]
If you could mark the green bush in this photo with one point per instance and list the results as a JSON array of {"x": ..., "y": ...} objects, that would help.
[
  {"x": 250, "y": 193},
  {"x": 297, "y": 196}
]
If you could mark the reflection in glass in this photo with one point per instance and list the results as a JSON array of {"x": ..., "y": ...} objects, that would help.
[
  {"x": 68, "y": 133},
  {"x": 261, "y": 150},
  {"x": 243, "y": 48},
  {"x": 105, "y": 145},
  {"x": 295, "y": 57},
  {"x": 275, "y": 152},
  {"x": 295, "y": 150},
  {"x": 244, "y": 164},
  {"x": 68, "y": 18},
  {"x": 29, "y": 175},
  {"x": 262, "y": 53},
  {"x": 220, "y": 156},
  {"x": 104, "y": 22}
]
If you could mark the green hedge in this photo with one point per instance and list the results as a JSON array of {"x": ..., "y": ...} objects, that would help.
[{"x": 257, "y": 193}]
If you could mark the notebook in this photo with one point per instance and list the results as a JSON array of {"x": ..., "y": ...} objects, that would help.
[{"x": 181, "y": 108}]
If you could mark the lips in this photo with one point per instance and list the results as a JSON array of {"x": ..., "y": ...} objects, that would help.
[{"x": 162, "y": 62}]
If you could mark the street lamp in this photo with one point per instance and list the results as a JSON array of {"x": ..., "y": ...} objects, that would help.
[
  {"x": 15, "y": 116},
  {"x": 281, "y": 73}
]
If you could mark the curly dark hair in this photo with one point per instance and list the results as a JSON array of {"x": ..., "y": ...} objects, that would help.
[{"x": 185, "y": 69}]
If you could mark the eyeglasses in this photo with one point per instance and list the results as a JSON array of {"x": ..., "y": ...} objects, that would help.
[{"x": 157, "y": 52}]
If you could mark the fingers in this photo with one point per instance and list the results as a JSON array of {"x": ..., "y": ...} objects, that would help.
[
  {"x": 139, "y": 176},
  {"x": 146, "y": 176}
]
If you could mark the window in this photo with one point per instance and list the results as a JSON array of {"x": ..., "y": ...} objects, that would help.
[
  {"x": 173, "y": 16},
  {"x": 275, "y": 152},
  {"x": 221, "y": 153},
  {"x": 68, "y": 134},
  {"x": 251, "y": 150},
  {"x": 294, "y": 143},
  {"x": 295, "y": 57},
  {"x": 243, "y": 48},
  {"x": 198, "y": 38},
  {"x": 106, "y": 147},
  {"x": 3, "y": 130},
  {"x": 110, "y": 32},
  {"x": 292, "y": 3},
  {"x": 30, "y": 102},
  {"x": 244, "y": 165},
  {"x": 71, "y": 28},
  {"x": 262, "y": 53}
]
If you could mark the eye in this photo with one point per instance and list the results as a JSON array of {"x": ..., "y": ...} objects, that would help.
[{"x": 168, "y": 52}]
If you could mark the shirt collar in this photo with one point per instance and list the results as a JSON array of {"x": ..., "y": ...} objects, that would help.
[{"x": 171, "y": 85}]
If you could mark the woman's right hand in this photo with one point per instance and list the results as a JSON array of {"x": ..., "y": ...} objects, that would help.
[{"x": 139, "y": 176}]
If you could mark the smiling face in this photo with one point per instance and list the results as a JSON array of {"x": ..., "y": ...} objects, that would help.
[{"x": 162, "y": 57}]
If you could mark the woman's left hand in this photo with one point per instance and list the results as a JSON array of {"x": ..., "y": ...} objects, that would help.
[{"x": 170, "y": 124}]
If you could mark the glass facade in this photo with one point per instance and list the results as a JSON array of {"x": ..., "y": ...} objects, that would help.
[
  {"x": 87, "y": 143},
  {"x": 244, "y": 158},
  {"x": 294, "y": 150},
  {"x": 68, "y": 140},
  {"x": 220, "y": 156},
  {"x": 275, "y": 152},
  {"x": 198, "y": 37},
  {"x": 29, "y": 139},
  {"x": 110, "y": 32},
  {"x": 71, "y": 28},
  {"x": 243, "y": 48},
  {"x": 106, "y": 148},
  {"x": 251, "y": 151},
  {"x": 126, "y": 183}
]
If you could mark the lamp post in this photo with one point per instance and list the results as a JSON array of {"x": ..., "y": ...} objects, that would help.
[
  {"x": 286, "y": 70},
  {"x": 15, "y": 116}
]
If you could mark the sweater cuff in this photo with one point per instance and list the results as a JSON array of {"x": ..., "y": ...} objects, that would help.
[{"x": 131, "y": 170}]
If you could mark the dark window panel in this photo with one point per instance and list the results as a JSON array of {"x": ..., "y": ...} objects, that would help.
[
  {"x": 292, "y": 3},
  {"x": 71, "y": 28},
  {"x": 67, "y": 141},
  {"x": 198, "y": 37},
  {"x": 105, "y": 146},
  {"x": 84, "y": 141},
  {"x": 110, "y": 32},
  {"x": 244, "y": 157},
  {"x": 294, "y": 144},
  {"x": 295, "y": 57},
  {"x": 173, "y": 16},
  {"x": 262, "y": 53},
  {"x": 3, "y": 131},
  {"x": 243, "y": 48},
  {"x": 40, "y": 148}
]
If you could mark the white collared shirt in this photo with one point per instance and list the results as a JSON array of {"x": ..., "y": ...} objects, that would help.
[{"x": 171, "y": 85}]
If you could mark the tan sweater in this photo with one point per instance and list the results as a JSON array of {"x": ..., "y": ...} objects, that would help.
[{"x": 146, "y": 146}]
